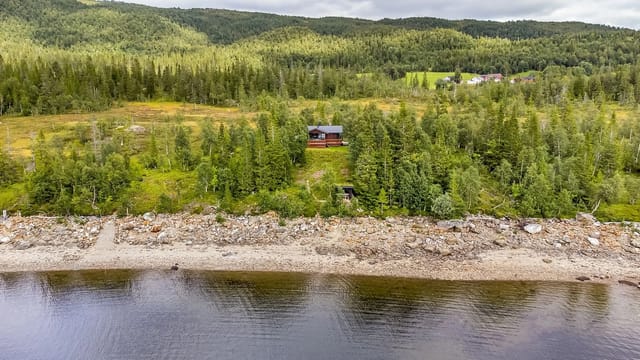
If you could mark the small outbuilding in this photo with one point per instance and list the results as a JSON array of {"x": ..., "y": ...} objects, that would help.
[
  {"x": 324, "y": 136},
  {"x": 348, "y": 192}
]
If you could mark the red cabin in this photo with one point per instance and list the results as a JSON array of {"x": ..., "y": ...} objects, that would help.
[{"x": 324, "y": 136}]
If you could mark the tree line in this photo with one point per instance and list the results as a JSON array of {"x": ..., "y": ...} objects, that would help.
[
  {"x": 87, "y": 84},
  {"x": 494, "y": 156},
  {"x": 96, "y": 170}
]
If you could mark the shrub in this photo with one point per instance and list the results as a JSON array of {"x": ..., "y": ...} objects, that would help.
[{"x": 443, "y": 206}]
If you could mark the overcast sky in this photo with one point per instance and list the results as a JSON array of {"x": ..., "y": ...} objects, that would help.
[{"x": 625, "y": 13}]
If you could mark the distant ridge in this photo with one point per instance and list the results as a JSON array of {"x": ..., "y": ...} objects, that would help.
[{"x": 229, "y": 26}]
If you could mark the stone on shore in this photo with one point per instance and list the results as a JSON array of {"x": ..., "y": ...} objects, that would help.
[
  {"x": 586, "y": 218},
  {"x": 163, "y": 238},
  {"x": 533, "y": 228},
  {"x": 149, "y": 216},
  {"x": 23, "y": 245},
  {"x": 322, "y": 250},
  {"x": 500, "y": 242},
  {"x": 416, "y": 239},
  {"x": 593, "y": 241},
  {"x": 627, "y": 282},
  {"x": 455, "y": 225}
]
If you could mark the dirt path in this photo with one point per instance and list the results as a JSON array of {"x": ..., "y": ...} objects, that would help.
[{"x": 105, "y": 242}]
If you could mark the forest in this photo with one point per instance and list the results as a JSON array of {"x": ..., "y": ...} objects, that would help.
[{"x": 250, "y": 83}]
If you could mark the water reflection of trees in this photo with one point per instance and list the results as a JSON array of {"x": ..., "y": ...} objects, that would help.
[
  {"x": 273, "y": 296},
  {"x": 580, "y": 297},
  {"x": 13, "y": 280},
  {"x": 500, "y": 302},
  {"x": 395, "y": 304},
  {"x": 64, "y": 285}
]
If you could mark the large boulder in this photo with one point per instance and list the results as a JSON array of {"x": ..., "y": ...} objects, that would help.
[
  {"x": 149, "y": 216},
  {"x": 533, "y": 228},
  {"x": 164, "y": 238},
  {"x": 586, "y": 218}
]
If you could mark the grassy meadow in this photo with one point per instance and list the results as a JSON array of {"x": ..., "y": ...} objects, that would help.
[{"x": 433, "y": 77}]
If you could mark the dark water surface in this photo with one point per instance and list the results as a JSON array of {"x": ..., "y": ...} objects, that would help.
[{"x": 213, "y": 315}]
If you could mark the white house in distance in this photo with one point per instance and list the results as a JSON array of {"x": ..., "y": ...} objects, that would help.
[{"x": 484, "y": 78}]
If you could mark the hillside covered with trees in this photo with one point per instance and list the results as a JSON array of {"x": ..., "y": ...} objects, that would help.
[{"x": 567, "y": 141}]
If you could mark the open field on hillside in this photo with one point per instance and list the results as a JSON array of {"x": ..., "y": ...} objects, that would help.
[
  {"x": 19, "y": 131},
  {"x": 433, "y": 77}
]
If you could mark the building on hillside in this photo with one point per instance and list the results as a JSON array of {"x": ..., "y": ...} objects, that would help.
[
  {"x": 324, "y": 136},
  {"x": 348, "y": 192},
  {"x": 484, "y": 78},
  {"x": 475, "y": 81},
  {"x": 492, "y": 77}
]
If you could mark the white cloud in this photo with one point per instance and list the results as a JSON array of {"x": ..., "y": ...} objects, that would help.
[{"x": 625, "y": 13}]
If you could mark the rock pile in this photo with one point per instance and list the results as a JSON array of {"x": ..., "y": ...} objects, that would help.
[
  {"x": 364, "y": 238},
  {"x": 22, "y": 233}
]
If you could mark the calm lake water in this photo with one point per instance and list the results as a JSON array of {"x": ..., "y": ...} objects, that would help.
[{"x": 213, "y": 315}]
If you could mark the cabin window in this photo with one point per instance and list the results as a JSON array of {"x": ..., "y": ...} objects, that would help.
[{"x": 317, "y": 136}]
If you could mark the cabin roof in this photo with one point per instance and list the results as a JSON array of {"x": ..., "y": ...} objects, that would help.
[{"x": 335, "y": 129}]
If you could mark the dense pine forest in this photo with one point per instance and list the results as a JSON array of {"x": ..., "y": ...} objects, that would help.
[{"x": 559, "y": 134}]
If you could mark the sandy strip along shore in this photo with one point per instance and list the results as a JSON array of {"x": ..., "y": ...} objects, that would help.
[{"x": 477, "y": 248}]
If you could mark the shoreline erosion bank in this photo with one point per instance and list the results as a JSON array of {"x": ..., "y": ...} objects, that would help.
[{"x": 476, "y": 248}]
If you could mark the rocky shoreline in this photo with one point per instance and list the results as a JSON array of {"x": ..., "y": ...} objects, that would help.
[{"x": 476, "y": 248}]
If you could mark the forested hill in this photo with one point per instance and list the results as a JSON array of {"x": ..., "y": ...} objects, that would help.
[
  {"x": 69, "y": 22},
  {"x": 225, "y": 26},
  {"x": 59, "y": 55}
]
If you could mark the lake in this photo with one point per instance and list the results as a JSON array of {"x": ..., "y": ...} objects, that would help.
[{"x": 221, "y": 315}]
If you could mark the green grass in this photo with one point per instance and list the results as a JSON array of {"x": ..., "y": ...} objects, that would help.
[
  {"x": 333, "y": 161},
  {"x": 321, "y": 161},
  {"x": 21, "y": 131},
  {"x": 364, "y": 75},
  {"x": 12, "y": 197},
  {"x": 618, "y": 212},
  {"x": 433, "y": 77},
  {"x": 523, "y": 74},
  {"x": 179, "y": 186}
]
